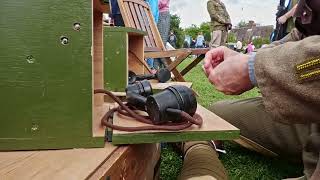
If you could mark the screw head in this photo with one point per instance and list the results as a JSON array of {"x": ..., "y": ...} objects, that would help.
[
  {"x": 64, "y": 40},
  {"x": 30, "y": 59},
  {"x": 76, "y": 26}
]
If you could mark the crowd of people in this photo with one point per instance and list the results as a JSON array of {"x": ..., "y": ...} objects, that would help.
[{"x": 285, "y": 119}]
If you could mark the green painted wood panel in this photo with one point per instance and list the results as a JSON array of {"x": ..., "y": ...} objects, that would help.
[
  {"x": 144, "y": 138},
  {"x": 116, "y": 56},
  {"x": 45, "y": 87},
  {"x": 115, "y": 59}
]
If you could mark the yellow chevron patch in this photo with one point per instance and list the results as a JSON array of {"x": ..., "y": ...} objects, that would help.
[
  {"x": 309, "y": 76},
  {"x": 308, "y": 65},
  {"x": 309, "y": 70}
]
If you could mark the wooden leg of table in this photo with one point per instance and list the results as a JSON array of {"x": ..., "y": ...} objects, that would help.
[
  {"x": 176, "y": 73},
  {"x": 192, "y": 65},
  {"x": 178, "y": 60},
  {"x": 177, "y": 76}
]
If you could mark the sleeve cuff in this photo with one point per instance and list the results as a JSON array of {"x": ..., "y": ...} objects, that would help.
[{"x": 252, "y": 75}]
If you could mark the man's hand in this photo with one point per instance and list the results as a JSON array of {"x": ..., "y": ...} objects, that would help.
[
  {"x": 229, "y": 26},
  {"x": 283, "y": 19},
  {"x": 228, "y": 70}
]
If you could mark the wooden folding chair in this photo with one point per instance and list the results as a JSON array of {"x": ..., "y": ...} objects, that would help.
[{"x": 137, "y": 14}]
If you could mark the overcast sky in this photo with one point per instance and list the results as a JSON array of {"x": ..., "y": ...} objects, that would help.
[{"x": 195, "y": 11}]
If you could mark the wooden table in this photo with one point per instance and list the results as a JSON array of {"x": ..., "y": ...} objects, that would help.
[{"x": 123, "y": 162}]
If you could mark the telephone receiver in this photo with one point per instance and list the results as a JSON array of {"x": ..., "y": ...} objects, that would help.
[
  {"x": 162, "y": 75},
  {"x": 165, "y": 106}
]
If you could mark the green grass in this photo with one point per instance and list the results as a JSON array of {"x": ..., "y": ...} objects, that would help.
[{"x": 239, "y": 162}]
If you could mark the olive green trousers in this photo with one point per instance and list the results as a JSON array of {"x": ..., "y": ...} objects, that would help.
[{"x": 259, "y": 132}]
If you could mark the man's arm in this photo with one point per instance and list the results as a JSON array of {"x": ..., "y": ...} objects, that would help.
[
  {"x": 283, "y": 19},
  {"x": 289, "y": 79},
  {"x": 288, "y": 76},
  {"x": 215, "y": 10}
]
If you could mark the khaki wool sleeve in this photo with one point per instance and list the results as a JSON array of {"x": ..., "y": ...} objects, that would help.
[
  {"x": 288, "y": 76},
  {"x": 215, "y": 13}
]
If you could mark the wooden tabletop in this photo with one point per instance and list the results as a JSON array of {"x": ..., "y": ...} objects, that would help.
[
  {"x": 213, "y": 128},
  {"x": 76, "y": 164}
]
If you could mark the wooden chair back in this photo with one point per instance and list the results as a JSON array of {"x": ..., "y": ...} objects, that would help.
[{"x": 137, "y": 14}]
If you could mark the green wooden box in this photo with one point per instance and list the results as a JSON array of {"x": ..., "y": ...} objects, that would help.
[
  {"x": 123, "y": 51},
  {"x": 46, "y": 75}
]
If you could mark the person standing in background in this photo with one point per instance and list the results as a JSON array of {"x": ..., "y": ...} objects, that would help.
[
  {"x": 116, "y": 14},
  {"x": 250, "y": 48},
  {"x": 172, "y": 39},
  {"x": 193, "y": 43},
  {"x": 239, "y": 46},
  {"x": 155, "y": 13},
  {"x": 220, "y": 22},
  {"x": 164, "y": 20},
  {"x": 200, "y": 40},
  {"x": 163, "y": 27},
  {"x": 288, "y": 17},
  {"x": 154, "y": 8}
]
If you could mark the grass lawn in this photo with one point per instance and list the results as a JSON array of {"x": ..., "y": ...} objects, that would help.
[{"x": 239, "y": 162}]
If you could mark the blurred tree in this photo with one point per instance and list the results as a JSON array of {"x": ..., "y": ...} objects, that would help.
[
  {"x": 205, "y": 28},
  {"x": 232, "y": 38},
  {"x": 178, "y": 31},
  {"x": 258, "y": 42},
  {"x": 242, "y": 23},
  {"x": 194, "y": 30}
]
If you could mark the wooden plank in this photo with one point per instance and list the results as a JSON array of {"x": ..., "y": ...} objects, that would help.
[
  {"x": 101, "y": 7},
  {"x": 72, "y": 164},
  {"x": 199, "y": 51},
  {"x": 127, "y": 162},
  {"x": 134, "y": 16},
  {"x": 97, "y": 58},
  {"x": 130, "y": 162},
  {"x": 213, "y": 128},
  {"x": 155, "y": 32},
  {"x": 139, "y": 66},
  {"x": 126, "y": 14},
  {"x": 178, "y": 60},
  {"x": 148, "y": 27},
  {"x": 100, "y": 111},
  {"x": 142, "y": 23},
  {"x": 116, "y": 61},
  {"x": 141, "y": 3},
  {"x": 163, "y": 54},
  {"x": 154, "y": 53},
  {"x": 175, "y": 72},
  {"x": 192, "y": 65},
  {"x": 151, "y": 49},
  {"x": 129, "y": 30}
]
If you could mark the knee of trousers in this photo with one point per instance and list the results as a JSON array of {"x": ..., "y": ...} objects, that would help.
[{"x": 221, "y": 109}]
